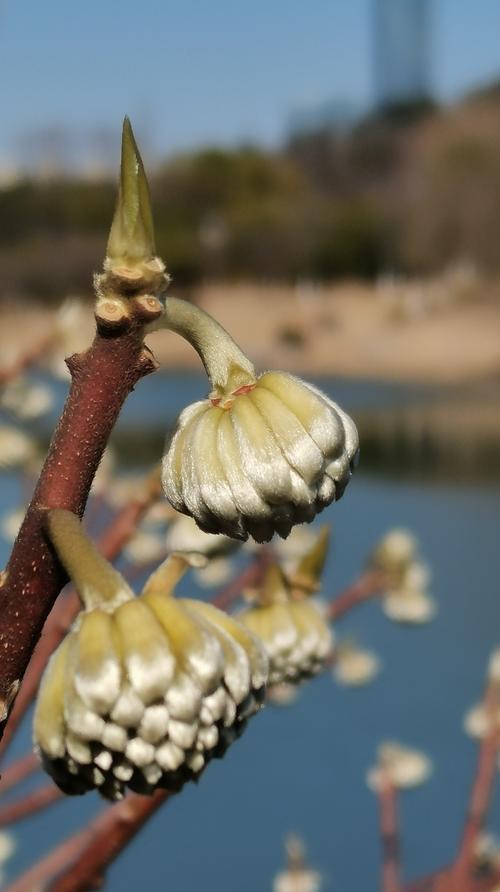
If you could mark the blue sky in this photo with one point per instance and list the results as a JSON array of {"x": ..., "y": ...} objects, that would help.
[{"x": 198, "y": 71}]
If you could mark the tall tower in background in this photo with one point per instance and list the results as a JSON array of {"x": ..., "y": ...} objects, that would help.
[{"x": 401, "y": 50}]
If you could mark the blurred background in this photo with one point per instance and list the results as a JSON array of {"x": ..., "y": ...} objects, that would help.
[{"x": 325, "y": 180}]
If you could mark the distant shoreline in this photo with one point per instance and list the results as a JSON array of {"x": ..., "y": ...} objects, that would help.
[{"x": 403, "y": 333}]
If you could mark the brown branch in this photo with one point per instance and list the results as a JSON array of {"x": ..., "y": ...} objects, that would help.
[
  {"x": 102, "y": 378},
  {"x": 370, "y": 584},
  {"x": 30, "y": 356},
  {"x": 481, "y": 793},
  {"x": 79, "y": 863},
  {"x": 19, "y": 771},
  {"x": 30, "y": 804},
  {"x": 248, "y": 577},
  {"x": 119, "y": 531},
  {"x": 389, "y": 835},
  {"x": 53, "y": 863}
]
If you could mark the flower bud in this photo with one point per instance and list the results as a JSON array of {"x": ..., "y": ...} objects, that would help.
[
  {"x": 290, "y": 625},
  {"x": 16, "y": 447},
  {"x": 408, "y": 601},
  {"x": 399, "y": 765},
  {"x": 144, "y": 691},
  {"x": 262, "y": 453},
  {"x": 354, "y": 666},
  {"x": 298, "y": 876},
  {"x": 394, "y": 553}
]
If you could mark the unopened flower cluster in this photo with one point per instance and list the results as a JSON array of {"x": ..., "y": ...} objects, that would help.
[
  {"x": 144, "y": 691},
  {"x": 290, "y": 623},
  {"x": 407, "y": 598}
]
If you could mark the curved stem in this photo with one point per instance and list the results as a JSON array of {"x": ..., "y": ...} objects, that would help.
[
  {"x": 95, "y": 580},
  {"x": 225, "y": 364}
]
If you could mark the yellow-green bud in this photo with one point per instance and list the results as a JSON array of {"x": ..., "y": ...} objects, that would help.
[
  {"x": 292, "y": 629},
  {"x": 145, "y": 690}
]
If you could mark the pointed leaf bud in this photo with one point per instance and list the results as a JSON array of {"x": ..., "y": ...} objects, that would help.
[
  {"x": 131, "y": 239},
  {"x": 307, "y": 575}
]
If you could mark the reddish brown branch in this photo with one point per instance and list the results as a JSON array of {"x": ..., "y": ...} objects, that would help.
[
  {"x": 52, "y": 864},
  {"x": 250, "y": 576},
  {"x": 30, "y": 804},
  {"x": 111, "y": 543},
  {"x": 481, "y": 793},
  {"x": 19, "y": 771},
  {"x": 389, "y": 835},
  {"x": 102, "y": 378},
  {"x": 79, "y": 863},
  {"x": 369, "y": 585}
]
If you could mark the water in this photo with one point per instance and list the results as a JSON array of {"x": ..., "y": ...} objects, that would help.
[{"x": 302, "y": 768}]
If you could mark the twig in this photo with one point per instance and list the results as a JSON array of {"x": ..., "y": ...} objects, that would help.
[
  {"x": 30, "y": 804},
  {"x": 481, "y": 792},
  {"x": 101, "y": 380},
  {"x": 389, "y": 835},
  {"x": 19, "y": 771},
  {"x": 53, "y": 863},
  {"x": 120, "y": 530},
  {"x": 250, "y": 576},
  {"x": 79, "y": 863},
  {"x": 370, "y": 584}
]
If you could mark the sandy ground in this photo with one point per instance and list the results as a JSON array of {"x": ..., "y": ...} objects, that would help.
[{"x": 349, "y": 330}]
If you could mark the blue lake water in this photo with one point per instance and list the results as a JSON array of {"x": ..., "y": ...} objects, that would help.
[{"x": 302, "y": 768}]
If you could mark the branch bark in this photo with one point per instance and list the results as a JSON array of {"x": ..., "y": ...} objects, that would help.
[
  {"x": 101, "y": 380},
  {"x": 481, "y": 793},
  {"x": 30, "y": 804},
  {"x": 370, "y": 584},
  {"x": 389, "y": 835}
]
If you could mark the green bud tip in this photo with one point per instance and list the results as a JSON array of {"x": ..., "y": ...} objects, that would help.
[
  {"x": 311, "y": 565},
  {"x": 131, "y": 237},
  {"x": 274, "y": 588}
]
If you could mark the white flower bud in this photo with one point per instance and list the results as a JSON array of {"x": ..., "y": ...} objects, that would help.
[
  {"x": 407, "y": 606},
  {"x": 291, "y": 627},
  {"x": 394, "y": 553},
  {"x": 297, "y": 877},
  {"x": 403, "y": 767},
  {"x": 494, "y": 666},
  {"x": 16, "y": 448},
  {"x": 26, "y": 400},
  {"x": 262, "y": 453},
  {"x": 354, "y": 666},
  {"x": 143, "y": 692},
  {"x": 408, "y": 601}
]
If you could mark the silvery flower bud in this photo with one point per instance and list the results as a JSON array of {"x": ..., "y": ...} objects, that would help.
[
  {"x": 261, "y": 453},
  {"x": 143, "y": 691},
  {"x": 399, "y": 765},
  {"x": 298, "y": 876},
  {"x": 354, "y": 666},
  {"x": 290, "y": 624}
]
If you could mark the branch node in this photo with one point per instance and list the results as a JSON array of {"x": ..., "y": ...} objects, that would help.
[
  {"x": 147, "y": 308},
  {"x": 75, "y": 364},
  {"x": 112, "y": 315},
  {"x": 9, "y": 698},
  {"x": 147, "y": 361}
]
